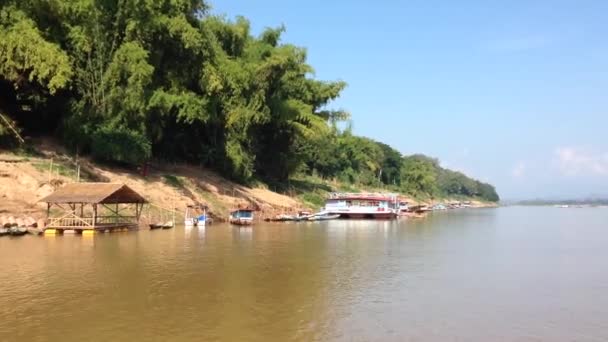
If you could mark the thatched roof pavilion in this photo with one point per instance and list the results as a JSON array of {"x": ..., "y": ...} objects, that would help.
[{"x": 122, "y": 206}]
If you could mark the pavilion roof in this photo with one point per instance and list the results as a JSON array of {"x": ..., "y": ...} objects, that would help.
[{"x": 94, "y": 193}]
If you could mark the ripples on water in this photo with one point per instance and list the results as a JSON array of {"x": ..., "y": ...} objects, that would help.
[{"x": 497, "y": 274}]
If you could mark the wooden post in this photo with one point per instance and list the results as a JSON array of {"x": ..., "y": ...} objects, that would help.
[
  {"x": 139, "y": 208},
  {"x": 50, "y": 170},
  {"x": 94, "y": 215},
  {"x": 78, "y": 174}
]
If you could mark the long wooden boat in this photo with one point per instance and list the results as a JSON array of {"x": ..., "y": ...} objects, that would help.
[
  {"x": 166, "y": 225},
  {"x": 35, "y": 230},
  {"x": 17, "y": 231},
  {"x": 323, "y": 217},
  {"x": 283, "y": 218},
  {"x": 301, "y": 216}
]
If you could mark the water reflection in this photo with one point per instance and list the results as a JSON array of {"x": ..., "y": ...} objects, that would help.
[
  {"x": 242, "y": 233},
  {"x": 197, "y": 232},
  {"x": 471, "y": 275}
]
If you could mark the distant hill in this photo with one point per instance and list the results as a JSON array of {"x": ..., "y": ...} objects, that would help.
[{"x": 586, "y": 201}]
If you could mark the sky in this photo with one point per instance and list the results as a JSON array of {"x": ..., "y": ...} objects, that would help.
[{"x": 514, "y": 93}]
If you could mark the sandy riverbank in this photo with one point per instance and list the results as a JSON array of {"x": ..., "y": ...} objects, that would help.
[{"x": 25, "y": 179}]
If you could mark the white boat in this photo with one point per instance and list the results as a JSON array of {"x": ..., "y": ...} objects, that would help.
[
  {"x": 196, "y": 216},
  {"x": 404, "y": 208},
  {"x": 241, "y": 217},
  {"x": 323, "y": 217},
  {"x": 363, "y": 205}
]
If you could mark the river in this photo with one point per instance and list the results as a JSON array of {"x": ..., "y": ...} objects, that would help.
[{"x": 513, "y": 273}]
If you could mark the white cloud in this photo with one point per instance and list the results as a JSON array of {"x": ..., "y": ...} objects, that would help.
[
  {"x": 519, "y": 170},
  {"x": 575, "y": 161}
]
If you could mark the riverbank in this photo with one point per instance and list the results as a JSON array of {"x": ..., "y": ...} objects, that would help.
[
  {"x": 25, "y": 178},
  {"x": 312, "y": 192}
]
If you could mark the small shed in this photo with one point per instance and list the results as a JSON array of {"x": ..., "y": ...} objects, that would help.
[{"x": 94, "y": 206}]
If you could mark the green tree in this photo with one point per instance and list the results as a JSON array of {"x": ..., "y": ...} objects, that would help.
[
  {"x": 130, "y": 80},
  {"x": 419, "y": 176}
]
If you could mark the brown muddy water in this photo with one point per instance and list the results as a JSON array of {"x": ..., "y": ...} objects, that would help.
[{"x": 512, "y": 274}]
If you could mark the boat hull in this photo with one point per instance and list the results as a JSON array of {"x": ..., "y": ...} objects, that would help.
[
  {"x": 17, "y": 231},
  {"x": 241, "y": 222},
  {"x": 372, "y": 206},
  {"x": 323, "y": 218},
  {"x": 367, "y": 216},
  {"x": 194, "y": 223}
]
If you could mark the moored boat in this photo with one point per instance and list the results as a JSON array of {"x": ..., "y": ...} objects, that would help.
[
  {"x": 362, "y": 205},
  {"x": 283, "y": 218},
  {"x": 17, "y": 231},
  {"x": 439, "y": 206},
  {"x": 35, "y": 230},
  {"x": 403, "y": 208},
  {"x": 241, "y": 217},
  {"x": 323, "y": 217},
  {"x": 195, "y": 216},
  {"x": 301, "y": 216},
  {"x": 166, "y": 225},
  {"x": 419, "y": 209}
]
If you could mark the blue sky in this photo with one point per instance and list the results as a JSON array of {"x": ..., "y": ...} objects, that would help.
[{"x": 512, "y": 92}]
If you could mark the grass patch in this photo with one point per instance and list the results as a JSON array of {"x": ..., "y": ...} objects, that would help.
[
  {"x": 348, "y": 188},
  {"x": 60, "y": 168},
  {"x": 28, "y": 151},
  {"x": 310, "y": 190},
  {"x": 65, "y": 169},
  {"x": 174, "y": 181},
  {"x": 211, "y": 200},
  {"x": 314, "y": 200}
]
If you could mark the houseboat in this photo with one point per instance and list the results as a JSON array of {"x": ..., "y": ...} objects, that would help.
[
  {"x": 242, "y": 217},
  {"x": 362, "y": 205}
]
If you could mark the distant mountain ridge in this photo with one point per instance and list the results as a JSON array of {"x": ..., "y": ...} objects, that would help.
[{"x": 580, "y": 201}]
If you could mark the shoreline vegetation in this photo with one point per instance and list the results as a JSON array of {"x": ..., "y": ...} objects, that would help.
[
  {"x": 27, "y": 177},
  {"x": 240, "y": 117}
]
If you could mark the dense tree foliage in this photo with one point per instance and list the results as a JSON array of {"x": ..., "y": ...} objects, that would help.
[
  {"x": 131, "y": 80},
  {"x": 363, "y": 161}
]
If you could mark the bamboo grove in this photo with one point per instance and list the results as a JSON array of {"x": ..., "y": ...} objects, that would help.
[{"x": 128, "y": 81}]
